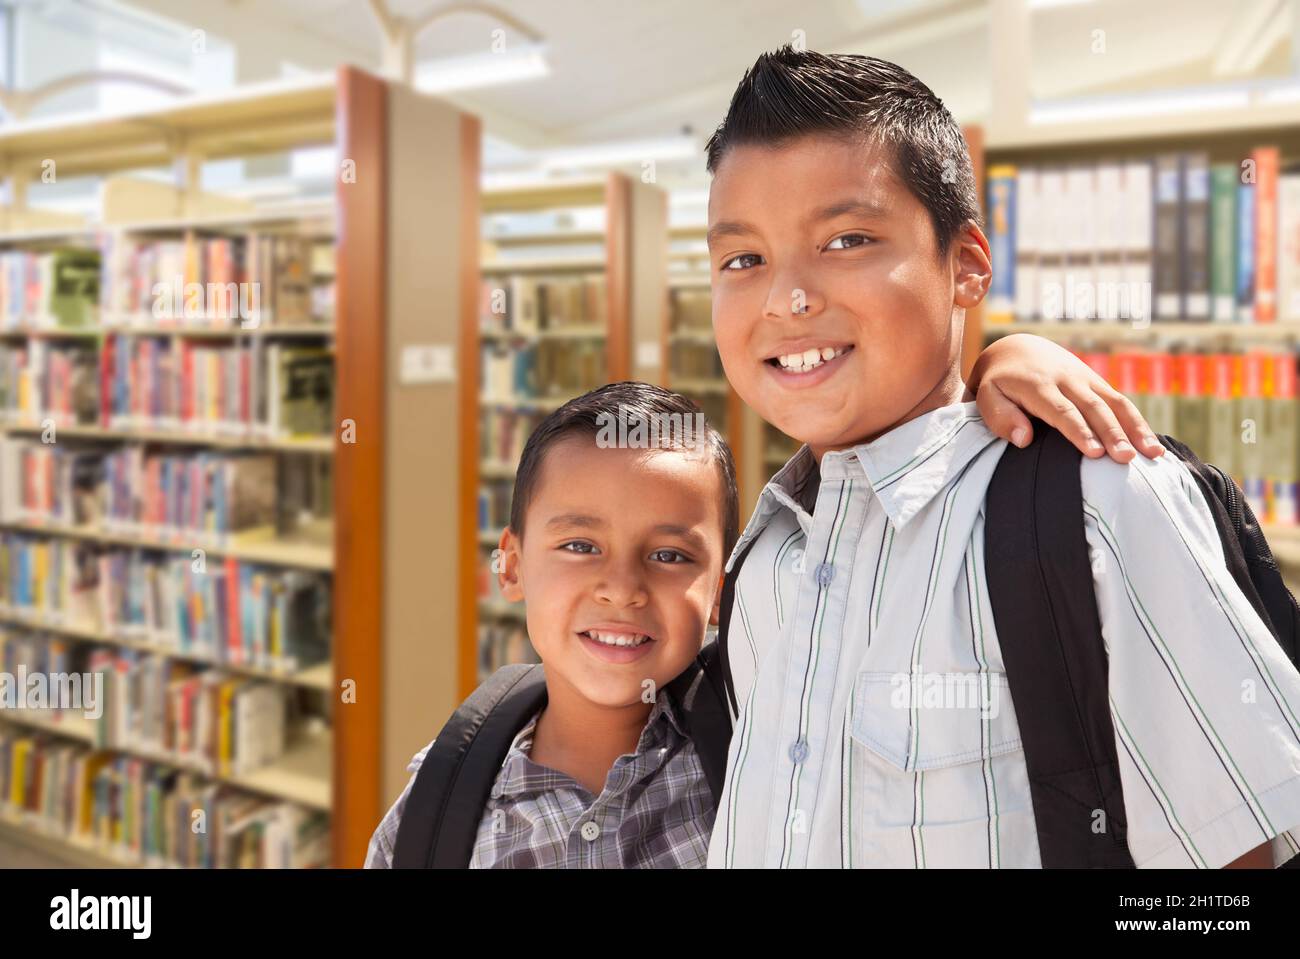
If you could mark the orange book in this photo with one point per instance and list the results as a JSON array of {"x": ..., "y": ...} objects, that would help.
[{"x": 1267, "y": 163}]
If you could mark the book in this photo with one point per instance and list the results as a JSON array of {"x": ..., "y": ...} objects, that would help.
[
  {"x": 1027, "y": 233},
  {"x": 1267, "y": 164},
  {"x": 1288, "y": 248},
  {"x": 300, "y": 391},
  {"x": 1223, "y": 239},
  {"x": 1170, "y": 211},
  {"x": 1194, "y": 245},
  {"x": 1002, "y": 243}
]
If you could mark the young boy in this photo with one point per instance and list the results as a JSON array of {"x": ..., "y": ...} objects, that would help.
[
  {"x": 618, "y": 553},
  {"x": 844, "y": 239}
]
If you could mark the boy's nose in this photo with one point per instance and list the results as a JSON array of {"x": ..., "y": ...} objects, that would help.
[
  {"x": 791, "y": 299},
  {"x": 622, "y": 588}
]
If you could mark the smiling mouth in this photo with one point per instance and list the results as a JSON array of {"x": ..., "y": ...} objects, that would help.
[
  {"x": 808, "y": 360},
  {"x": 617, "y": 640}
]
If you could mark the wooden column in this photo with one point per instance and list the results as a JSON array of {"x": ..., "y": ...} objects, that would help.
[{"x": 361, "y": 305}]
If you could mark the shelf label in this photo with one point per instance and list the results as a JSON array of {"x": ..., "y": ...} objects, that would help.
[{"x": 428, "y": 363}]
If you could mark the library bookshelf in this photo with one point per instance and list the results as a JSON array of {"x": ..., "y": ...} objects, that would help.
[
  {"x": 692, "y": 365},
  {"x": 1207, "y": 335},
  {"x": 304, "y": 391},
  {"x": 572, "y": 296}
]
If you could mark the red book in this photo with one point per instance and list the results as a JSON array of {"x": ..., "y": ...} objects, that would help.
[
  {"x": 1267, "y": 162},
  {"x": 187, "y": 382},
  {"x": 234, "y": 638},
  {"x": 1126, "y": 373},
  {"x": 106, "y": 380},
  {"x": 1159, "y": 374},
  {"x": 1190, "y": 369},
  {"x": 1284, "y": 385}
]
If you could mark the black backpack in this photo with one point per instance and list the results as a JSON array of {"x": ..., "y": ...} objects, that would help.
[
  {"x": 1041, "y": 590},
  {"x": 440, "y": 822},
  {"x": 1040, "y": 587}
]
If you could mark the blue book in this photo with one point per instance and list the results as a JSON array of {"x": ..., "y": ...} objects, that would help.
[
  {"x": 1002, "y": 243},
  {"x": 1246, "y": 253}
]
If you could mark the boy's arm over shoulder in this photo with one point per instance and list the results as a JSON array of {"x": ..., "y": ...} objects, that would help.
[
  {"x": 379, "y": 855},
  {"x": 1205, "y": 704}
]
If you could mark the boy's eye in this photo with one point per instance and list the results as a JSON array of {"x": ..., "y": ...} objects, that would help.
[
  {"x": 736, "y": 259},
  {"x": 582, "y": 550},
  {"x": 670, "y": 552},
  {"x": 848, "y": 246}
]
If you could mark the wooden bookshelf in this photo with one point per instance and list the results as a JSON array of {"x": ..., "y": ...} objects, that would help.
[
  {"x": 629, "y": 254},
  {"x": 378, "y": 225}
]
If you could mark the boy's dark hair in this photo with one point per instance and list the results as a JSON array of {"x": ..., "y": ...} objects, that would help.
[
  {"x": 792, "y": 93},
  {"x": 589, "y": 414}
]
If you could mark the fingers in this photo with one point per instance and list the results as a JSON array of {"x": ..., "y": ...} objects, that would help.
[
  {"x": 1101, "y": 419},
  {"x": 1066, "y": 414},
  {"x": 1002, "y": 416},
  {"x": 1135, "y": 425},
  {"x": 1114, "y": 418}
]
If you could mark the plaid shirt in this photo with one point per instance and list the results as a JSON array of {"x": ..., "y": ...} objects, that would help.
[{"x": 655, "y": 811}]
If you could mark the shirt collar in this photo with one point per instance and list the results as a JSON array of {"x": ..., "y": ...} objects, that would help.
[
  {"x": 520, "y": 775},
  {"x": 905, "y": 467}
]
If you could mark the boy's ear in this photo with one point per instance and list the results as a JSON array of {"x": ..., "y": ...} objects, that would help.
[
  {"x": 717, "y": 601},
  {"x": 507, "y": 566},
  {"x": 972, "y": 265}
]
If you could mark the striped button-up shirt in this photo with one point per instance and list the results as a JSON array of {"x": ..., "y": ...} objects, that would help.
[
  {"x": 859, "y": 632},
  {"x": 655, "y": 810}
]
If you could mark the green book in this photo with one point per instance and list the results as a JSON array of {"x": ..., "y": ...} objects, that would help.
[
  {"x": 74, "y": 287},
  {"x": 1223, "y": 242}
]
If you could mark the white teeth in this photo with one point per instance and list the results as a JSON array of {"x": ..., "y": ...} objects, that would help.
[
  {"x": 617, "y": 639},
  {"x": 809, "y": 359}
]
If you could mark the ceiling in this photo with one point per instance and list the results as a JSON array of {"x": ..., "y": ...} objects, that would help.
[{"x": 628, "y": 69}]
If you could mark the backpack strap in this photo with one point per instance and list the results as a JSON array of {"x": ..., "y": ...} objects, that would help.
[
  {"x": 707, "y": 721},
  {"x": 1245, "y": 551},
  {"x": 1045, "y": 610},
  {"x": 720, "y": 668},
  {"x": 440, "y": 821}
]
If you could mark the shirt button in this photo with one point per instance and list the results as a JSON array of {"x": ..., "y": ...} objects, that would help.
[
  {"x": 590, "y": 831},
  {"x": 825, "y": 573},
  {"x": 799, "y": 750}
]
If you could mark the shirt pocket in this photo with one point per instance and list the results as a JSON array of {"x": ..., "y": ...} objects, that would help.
[
  {"x": 935, "y": 773},
  {"x": 921, "y": 721}
]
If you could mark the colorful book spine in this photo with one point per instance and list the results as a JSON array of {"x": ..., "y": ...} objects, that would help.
[
  {"x": 1267, "y": 169},
  {"x": 1223, "y": 240},
  {"x": 1002, "y": 243},
  {"x": 1195, "y": 240}
]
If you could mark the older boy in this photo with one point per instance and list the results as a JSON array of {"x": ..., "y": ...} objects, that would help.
[{"x": 844, "y": 239}]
